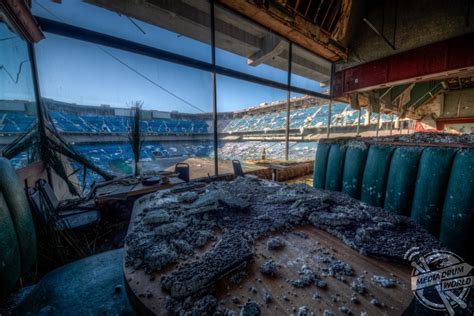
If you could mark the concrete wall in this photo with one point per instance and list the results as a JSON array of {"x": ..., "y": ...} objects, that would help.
[
  {"x": 459, "y": 104},
  {"x": 407, "y": 24}
]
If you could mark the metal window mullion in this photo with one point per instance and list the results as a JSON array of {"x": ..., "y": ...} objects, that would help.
[
  {"x": 214, "y": 88},
  {"x": 37, "y": 91},
  {"x": 288, "y": 99},
  {"x": 328, "y": 133},
  {"x": 39, "y": 108}
]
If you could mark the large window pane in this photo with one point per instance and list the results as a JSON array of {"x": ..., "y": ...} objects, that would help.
[
  {"x": 309, "y": 71},
  {"x": 245, "y": 46},
  {"x": 90, "y": 92},
  {"x": 17, "y": 99},
  {"x": 182, "y": 27},
  {"x": 308, "y": 120},
  {"x": 252, "y": 120}
]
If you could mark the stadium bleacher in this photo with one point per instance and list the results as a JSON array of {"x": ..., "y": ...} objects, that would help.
[
  {"x": 66, "y": 122},
  {"x": 117, "y": 157},
  {"x": 15, "y": 121},
  {"x": 316, "y": 116}
]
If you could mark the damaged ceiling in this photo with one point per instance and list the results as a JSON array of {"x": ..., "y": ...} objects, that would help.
[{"x": 318, "y": 26}]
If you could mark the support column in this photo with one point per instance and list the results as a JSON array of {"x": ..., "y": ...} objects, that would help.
[
  {"x": 391, "y": 124},
  {"x": 329, "y": 118},
  {"x": 378, "y": 124},
  {"x": 367, "y": 117},
  {"x": 331, "y": 93},
  {"x": 358, "y": 123}
]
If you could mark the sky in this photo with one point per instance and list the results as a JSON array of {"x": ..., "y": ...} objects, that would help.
[{"x": 84, "y": 73}]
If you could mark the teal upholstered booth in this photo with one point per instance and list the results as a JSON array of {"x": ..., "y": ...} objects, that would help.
[{"x": 434, "y": 185}]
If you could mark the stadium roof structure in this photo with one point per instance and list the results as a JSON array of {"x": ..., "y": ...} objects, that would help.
[{"x": 191, "y": 18}]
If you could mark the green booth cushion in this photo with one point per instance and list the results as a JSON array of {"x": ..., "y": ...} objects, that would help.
[
  {"x": 335, "y": 167},
  {"x": 17, "y": 202},
  {"x": 320, "y": 165},
  {"x": 401, "y": 180},
  {"x": 457, "y": 221},
  {"x": 354, "y": 165},
  {"x": 375, "y": 175},
  {"x": 433, "y": 185},
  {"x": 430, "y": 188}
]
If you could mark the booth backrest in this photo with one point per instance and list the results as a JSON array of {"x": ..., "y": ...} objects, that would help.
[
  {"x": 432, "y": 185},
  {"x": 17, "y": 230}
]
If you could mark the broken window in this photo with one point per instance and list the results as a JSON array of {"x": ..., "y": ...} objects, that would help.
[{"x": 17, "y": 98}]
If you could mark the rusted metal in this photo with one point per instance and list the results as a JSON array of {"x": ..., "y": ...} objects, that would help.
[
  {"x": 19, "y": 16},
  {"x": 438, "y": 60},
  {"x": 296, "y": 27}
]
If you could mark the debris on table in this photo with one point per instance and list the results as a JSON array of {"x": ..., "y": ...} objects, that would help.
[
  {"x": 229, "y": 217},
  {"x": 383, "y": 281},
  {"x": 269, "y": 268}
]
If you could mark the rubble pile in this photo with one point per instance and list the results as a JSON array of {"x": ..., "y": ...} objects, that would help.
[
  {"x": 428, "y": 138},
  {"x": 174, "y": 224}
]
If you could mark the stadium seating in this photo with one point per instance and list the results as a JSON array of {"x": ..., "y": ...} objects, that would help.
[
  {"x": 67, "y": 122},
  {"x": 316, "y": 116},
  {"x": 117, "y": 157},
  {"x": 14, "y": 122}
]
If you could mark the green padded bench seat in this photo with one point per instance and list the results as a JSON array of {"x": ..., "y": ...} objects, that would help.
[{"x": 434, "y": 185}]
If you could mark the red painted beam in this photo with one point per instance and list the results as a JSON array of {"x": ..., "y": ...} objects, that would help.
[
  {"x": 442, "y": 58},
  {"x": 441, "y": 122},
  {"x": 21, "y": 20}
]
